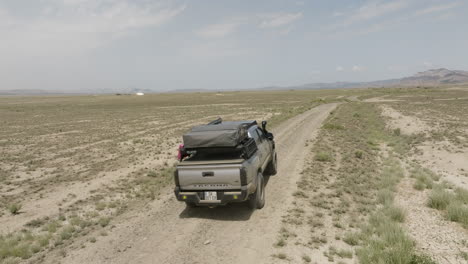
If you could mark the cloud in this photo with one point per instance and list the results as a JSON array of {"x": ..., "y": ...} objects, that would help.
[
  {"x": 315, "y": 72},
  {"x": 397, "y": 68},
  {"x": 279, "y": 20},
  {"x": 375, "y": 9},
  {"x": 337, "y": 14},
  {"x": 70, "y": 26},
  {"x": 219, "y": 30},
  {"x": 437, "y": 8},
  {"x": 205, "y": 51},
  {"x": 339, "y": 69},
  {"x": 368, "y": 11},
  {"x": 357, "y": 68},
  {"x": 428, "y": 64}
]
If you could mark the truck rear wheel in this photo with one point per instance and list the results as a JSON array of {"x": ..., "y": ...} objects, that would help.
[
  {"x": 271, "y": 168},
  {"x": 257, "y": 199}
]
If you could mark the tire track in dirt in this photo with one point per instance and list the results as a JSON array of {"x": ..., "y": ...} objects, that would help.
[{"x": 165, "y": 231}]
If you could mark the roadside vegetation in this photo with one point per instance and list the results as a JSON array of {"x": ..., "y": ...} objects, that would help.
[
  {"x": 443, "y": 196},
  {"x": 344, "y": 206},
  {"x": 452, "y": 202}
]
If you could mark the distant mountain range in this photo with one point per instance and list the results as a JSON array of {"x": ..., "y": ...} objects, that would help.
[{"x": 432, "y": 77}]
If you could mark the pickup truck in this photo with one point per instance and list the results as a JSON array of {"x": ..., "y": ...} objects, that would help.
[{"x": 225, "y": 162}]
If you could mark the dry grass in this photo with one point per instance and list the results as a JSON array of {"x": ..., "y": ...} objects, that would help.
[
  {"x": 345, "y": 197},
  {"x": 453, "y": 203},
  {"x": 424, "y": 178}
]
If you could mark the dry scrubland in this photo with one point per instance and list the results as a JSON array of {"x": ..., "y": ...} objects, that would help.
[
  {"x": 386, "y": 179},
  {"x": 69, "y": 165},
  {"x": 386, "y": 183}
]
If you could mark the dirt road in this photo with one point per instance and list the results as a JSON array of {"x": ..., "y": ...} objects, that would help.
[{"x": 165, "y": 231}]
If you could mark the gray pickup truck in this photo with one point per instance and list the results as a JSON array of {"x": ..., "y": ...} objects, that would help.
[{"x": 225, "y": 162}]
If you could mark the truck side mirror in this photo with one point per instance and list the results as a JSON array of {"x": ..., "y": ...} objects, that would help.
[{"x": 264, "y": 123}]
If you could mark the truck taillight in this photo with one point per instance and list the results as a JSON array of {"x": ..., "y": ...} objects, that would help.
[
  {"x": 243, "y": 176},
  {"x": 176, "y": 177}
]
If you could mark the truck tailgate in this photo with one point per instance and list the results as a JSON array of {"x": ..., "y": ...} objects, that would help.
[{"x": 209, "y": 177}]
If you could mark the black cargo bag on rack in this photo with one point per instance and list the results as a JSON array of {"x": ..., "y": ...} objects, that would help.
[{"x": 225, "y": 134}]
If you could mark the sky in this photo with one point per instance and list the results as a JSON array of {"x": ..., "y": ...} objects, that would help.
[{"x": 91, "y": 45}]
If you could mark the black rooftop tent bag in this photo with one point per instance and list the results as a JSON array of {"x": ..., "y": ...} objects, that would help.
[{"x": 217, "y": 134}]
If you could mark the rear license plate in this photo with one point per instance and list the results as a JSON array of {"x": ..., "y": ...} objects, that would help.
[{"x": 211, "y": 196}]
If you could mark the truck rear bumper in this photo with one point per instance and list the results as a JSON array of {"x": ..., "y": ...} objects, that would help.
[{"x": 223, "y": 197}]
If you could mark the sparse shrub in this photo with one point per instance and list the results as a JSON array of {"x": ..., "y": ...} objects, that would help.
[
  {"x": 51, "y": 227},
  {"x": 35, "y": 248},
  {"x": 22, "y": 250},
  {"x": 315, "y": 222},
  {"x": 421, "y": 259},
  {"x": 323, "y": 156},
  {"x": 323, "y": 239},
  {"x": 137, "y": 141},
  {"x": 62, "y": 253},
  {"x": 300, "y": 194},
  {"x": 58, "y": 242},
  {"x": 458, "y": 212},
  {"x": 36, "y": 222},
  {"x": 419, "y": 185},
  {"x": 434, "y": 176},
  {"x": 280, "y": 243},
  {"x": 104, "y": 221},
  {"x": 19, "y": 245},
  {"x": 439, "y": 199},
  {"x": 343, "y": 253},
  {"x": 385, "y": 196},
  {"x": 67, "y": 232},
  {"x": 152, "y": 174},
  {"x": 15, "y": 208},
  {"x": 358, "y": 154},
  {"x": 424, "y": 178},
  {"x": 397, "y": 132},
  {"x": 100, "y": 206},
  {"x": 280, "y": 256},
  {"x": 462, "y": 195},
  {"x": 385, "y": 240},
  {"x": 351, "y": 238},
  {"x": 333, "y": 126},
  {"x": 306, "y": 258},
  {"x": 391, "y": 245},
  {"x": 337, "y": 225},
  {"x": 43, "y": 240},
  {"x": 395, "y": 213},
  {"x": 464, "y": 255}
]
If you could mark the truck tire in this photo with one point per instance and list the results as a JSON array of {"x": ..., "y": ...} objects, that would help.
[
  {"x": 257, "y": 199},
  {"x": 190, "y": 204},
  {"x": 272, "y": 166}
]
